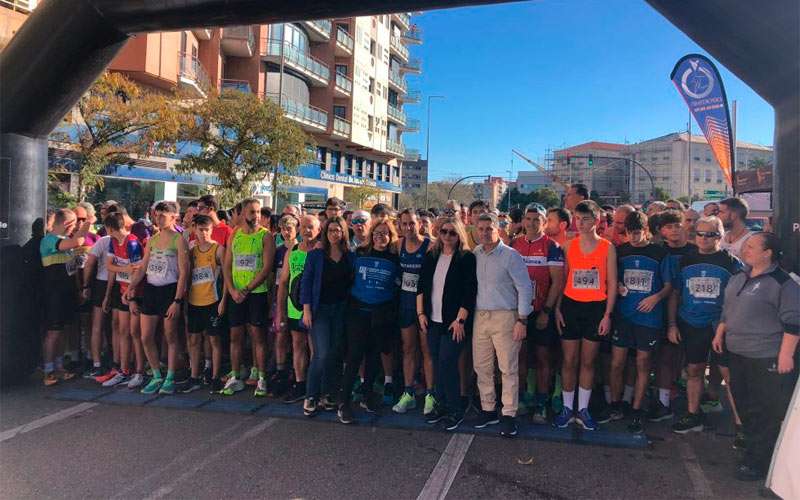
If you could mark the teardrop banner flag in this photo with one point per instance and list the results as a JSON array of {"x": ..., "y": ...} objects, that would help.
[{"x": 700, "y": 85}]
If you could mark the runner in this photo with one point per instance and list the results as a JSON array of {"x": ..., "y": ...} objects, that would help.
[
  {"x": 334, "y": 207},
  {"x": 413, "y": 248},
  {"x": 502, "y": 307},
  {"x": 544, "y": 259},
  {"x": 476, "y": 208},
  {"x": 279, "y": 383},
  {"x": 574, "y": 195},
  {"x": 166, "y": 269},
  {"x": 60, "y": 293},
  {"x": 359, "y": 223},
  {"x": 125, "y": 254},
  {"x": 370, "y": 315},
  {"x": 206, "y": 306},
  {"x": 616, "y": 233},
  {"x": 733, "y": 214},
  {"x": 645, "y": 280},
  {"x": 690, "y": 220},
  {"x": 79, "y": 337},
  {"x": 248, "y": 261},
  {"x": 289, "y": 291},
  {"x": 558, "y": 220},
  {"x": 583, "y": 316},
  {"x": 324, "y": 289},
  {"x": 694, "y": 310},
  {"x": 221, "y": 232},
  {"x": 96, "y": 294},
  {"x": 425, "y": 223}
]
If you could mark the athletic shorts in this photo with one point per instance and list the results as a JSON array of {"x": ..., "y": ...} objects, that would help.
[
  {"x": 632, "y": 336},
  {"x": 253, "y": 311},
  {"x": 157, "y": 299},
  {"x": 543, "y": 338},
  {"x": 98, "y": 292},
  {"x": 60, "y": 303},
  {"x": 696, "y": 342},
  {"x": 204, "y": 319},
  {"x": 407, "y": 317},
  {"x": 116, "y": 299},
  {"x": 582, "y": 319},
  {"x": 296, "y": 325}
]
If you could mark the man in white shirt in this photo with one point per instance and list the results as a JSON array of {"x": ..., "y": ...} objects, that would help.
[{"x": 733, "y": 213}]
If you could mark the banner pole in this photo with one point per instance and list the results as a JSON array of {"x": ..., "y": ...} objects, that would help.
[{"x": 735, "y": 152}]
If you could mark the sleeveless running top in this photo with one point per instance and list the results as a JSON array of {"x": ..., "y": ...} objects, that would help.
[
  {"x": 248, "y": 259},
  {"x": 203, "y": 290},
  {"x": 411, "y": 268},
  {"x": 586, "y": 281},
  {"x": 162, "y": 269},
  {"x": 130, "y": 251},
  {"x": 297, "y": 262}
]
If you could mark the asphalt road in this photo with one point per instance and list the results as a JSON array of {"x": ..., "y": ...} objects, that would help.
[{"x": 69, "y": 449}]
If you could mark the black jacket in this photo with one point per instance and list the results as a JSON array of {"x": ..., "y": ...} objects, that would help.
[{"x": 460, "y": 286}]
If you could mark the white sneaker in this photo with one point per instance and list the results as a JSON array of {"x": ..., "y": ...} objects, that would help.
[
  {"x": 136, "y": 381},
  {"x": 233, "y": 385},
  {"x": 116, "y": 379}
]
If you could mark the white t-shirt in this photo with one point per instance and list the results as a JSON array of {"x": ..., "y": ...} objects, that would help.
[
  {"x": 735, "y": 248},
  {"x": 100, "y": 250},
  {"x": 442, "y": 265}
]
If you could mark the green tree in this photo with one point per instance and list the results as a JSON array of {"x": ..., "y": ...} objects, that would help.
[
  {"x": 114, "y": 120},
  {"x": 437, "y": 194},
  {"x": 661, "y": 194},
  {"x": 360, "y": 194},
  {"x": 757, "y": 163},
  {"x": 244, "y": 140},
  {"x": 547, "y": 197}
]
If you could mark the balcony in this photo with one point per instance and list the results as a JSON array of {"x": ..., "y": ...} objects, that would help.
[
  {"x": 411, "y": 126},
  {"x": 202, "y": 33},
  {"x": 229, "y": 84},
  {"x": 343, "y": 86},
  {"x": 341, "y": 127},
  {"x": 307, "y": 65},
  {"x": 413, "y": 66},
  {"x": 395, "y": 147},
  {"x": 402, "y": 19},
  {"x": 238, "y": 41},
  {"x": 396, "y": 114},
  {"x": 413, "y": 36},
  {"x": 344, "y": 43},
  {"x": 410, "y": 97},
  {"x": 311, "y": 118},
  {"x": 319, "y": 30},
  {"x": 397, "y": 48},
  {"x": 192, "y": 76},
  {"x": 397, "y": 81},
  {"x": 18, "y": 5},
  {"x": 411, "y": 155}
]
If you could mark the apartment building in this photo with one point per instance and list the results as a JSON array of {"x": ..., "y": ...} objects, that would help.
[
  {"x": 491, "y": 190},
  {"x": 415, "y": 174},
  {"x": 607, "y": 175}
]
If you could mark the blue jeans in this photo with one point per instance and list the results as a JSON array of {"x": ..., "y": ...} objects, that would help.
[
  {"x": 327, "y": 331},
  {"x": 445, "y": 353}
]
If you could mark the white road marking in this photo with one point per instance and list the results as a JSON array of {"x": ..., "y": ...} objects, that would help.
[
  {"x": 197, "y": 467},
  {"x": 49, "y": 419},
  {"x": 700, "y": 483},
  {"x": 444, "y": 473}
]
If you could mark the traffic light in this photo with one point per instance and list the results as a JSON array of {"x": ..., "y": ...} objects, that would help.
[{"x": 591, "y": 160}]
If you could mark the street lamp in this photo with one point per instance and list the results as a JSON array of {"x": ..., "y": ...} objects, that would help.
[{"x": 428, "y": 145}]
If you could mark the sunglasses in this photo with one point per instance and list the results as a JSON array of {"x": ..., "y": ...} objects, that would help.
[
  {"x": 359, "y": 221},
  {"x": 448, "y": 232},
  {"x": 708, "y": 234},
  {"x": 81, "y": 219}
]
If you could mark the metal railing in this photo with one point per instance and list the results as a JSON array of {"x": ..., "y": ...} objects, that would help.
[
  {"x": 397, "y": 79},
  {"x": 241, "y": 33},
  {"x": 300, "y": 111},
  {"x": 411, "y": 96},
  {"x": 344, "y": 38},
  {"x": 296, "y": 56},
  {"x": 413, "y": 65},
  {"x": 411, "y": 155},
  {"x": 397, "y": 44},
  {"x": 395, "y": 147},
  {"x": 18, "y": 5},
  {"x": 344, "y": 83},
  {"x": 412, "y": 125},
  {"x": 323, "y": 25},
  {"x": 231, "y": 84},
  {"x": 341, "y": 126},
  {"x": 413, "y": 35},
  {"x": 396, "y": 113},
  {"x": 404, "y": 18},
  {"x": 189, "y": 67}
]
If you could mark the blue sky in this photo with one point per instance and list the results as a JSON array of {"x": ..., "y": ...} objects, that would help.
[{"x": 539, "y": 75}]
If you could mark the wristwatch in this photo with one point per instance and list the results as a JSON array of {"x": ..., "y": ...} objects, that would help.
[
  {"x": 460, "y": 321},
  {"x": 178, "y": 301}
]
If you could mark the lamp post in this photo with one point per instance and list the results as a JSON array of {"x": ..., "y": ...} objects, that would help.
[{"x": 428, "y": 145}]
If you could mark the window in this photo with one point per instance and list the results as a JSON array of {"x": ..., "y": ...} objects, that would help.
[
  {"x": 341, "y": 69},
  {"x": 708, "y": 175},
  {"x": 340, "y": 111},
  {"x": 321, "y": 155},
  {"x": 335, "y": 160},
  {"x": 696, "y": 158},
  {"x": 360, "y": 167},
  {"x": 708, "y": 159},
  {"x": 370, "y": 122},
  {"x": 348, "y": 159},
  {"x": 372, "y": 47},
  {"x": 371, "y": 85}
]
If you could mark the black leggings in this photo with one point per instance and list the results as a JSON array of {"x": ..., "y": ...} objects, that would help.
[{"x": 367, "y": 334}]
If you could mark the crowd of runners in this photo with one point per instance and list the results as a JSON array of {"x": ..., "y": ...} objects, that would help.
[{"x": 458, "y": 308}]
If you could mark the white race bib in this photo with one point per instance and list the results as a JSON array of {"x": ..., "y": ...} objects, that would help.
[
  {"x": 638, "y": 280},
  {"x": 704, "y": 287},
  {"x": 586, "y": 279},
  {"x": 157, "y": 267},
  {"x": 245, "y": 262},
  {"x": 202, "y": 275},
  {"x": 122, "y": 276},
  {"x": 410, "y": 282}
]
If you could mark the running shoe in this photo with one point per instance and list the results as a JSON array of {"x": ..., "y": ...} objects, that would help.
[
  {"x": 359, "y": 391},
  {"x": 388, "y": 394},
  {"x": 94, "y": 372},
  {"x": 711, "y": 406},
  {"x": 437, "y": 414},
  {"x": 278, "y": 384},
  {"x": 659, "y": 412},
  {"x": 691, "y": 422},
  {"x": 153, "y": 386},
  {"x": 296, "y": 393},
  {"x": 563, "y": 419},
  {"x": 182, "y": 377},
  {"x": 216, "y": 386},
  {"x": 370, "y": 403},
  {"x": 508, "y": 426},
  {"x": 539, "y": 415},
  {"x": 261, "y": 388},
  {"x": 614, "y": 411},
  {"x": 328, "y": 403},
  {"x": 106, "y": 376},
  {"x": 636, "y": 426},
  {"x": 430, "y": 404},
  {"x": 168, "y": 387},
  {"x": 119, "y": 378},
  {"x": 487, "y": 418},
  {"x": 50, "y": 379},
  {"x": 136, "y": 381},
  {"x": 407, "y": 402},
  {"x": 452, "y": 421},
  {"x": 191, "y": 385},
  {"x": 232, "y": 386},
  {"x": 207, "y": 375},
  {"x": 740, "y": 441},
  {"x": 310, "y": 407},
  {"x": 253, "y": 378},
  {"x": 345, "y": 414},
  {"x": 585, "y": 420},
  {"x": 64, "y": 375}
]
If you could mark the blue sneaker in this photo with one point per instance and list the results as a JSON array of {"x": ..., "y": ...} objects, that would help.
[
  {"x": 585, "y": 420},
  {"x": 563, "y": 419}
]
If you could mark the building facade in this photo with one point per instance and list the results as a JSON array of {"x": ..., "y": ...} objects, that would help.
[
  {"x": 601, "y": 166},
  {"x": 415, "y": 175},
  {"x": 529, "y": 181},
  {"x": 491, "y": 190}
]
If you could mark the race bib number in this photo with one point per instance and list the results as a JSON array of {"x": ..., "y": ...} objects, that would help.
[
  {"x": 410, "y": 282},
  {"x": 704, "y": 288},
  {"x": 157, "y": 267},
  {"x": 72, "y": 266},
  {"x": 122, "y": 276},
  {"x": 202, "y": 275},
  {"x": 80, "y": 260},
  {"x": 246, "y": 262},
  {"x": 586, "y": 279},
  {"x": 638, "y": 280}
]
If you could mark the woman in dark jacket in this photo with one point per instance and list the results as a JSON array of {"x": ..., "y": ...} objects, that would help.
[{"x": 445, "y": 304}]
